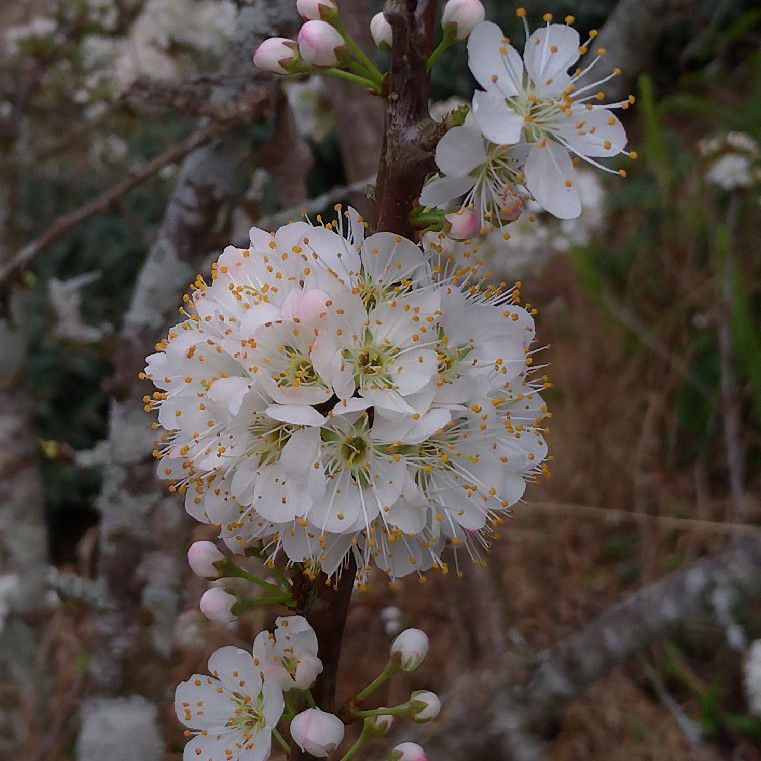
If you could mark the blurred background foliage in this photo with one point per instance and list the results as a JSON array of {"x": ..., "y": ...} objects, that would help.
[{"x": 633, "y": 320}]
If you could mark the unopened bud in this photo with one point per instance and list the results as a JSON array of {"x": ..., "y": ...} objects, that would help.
[
  {"x": 217, "y": 605},
  {"x": 203, "y": 557},
  {"x": 463, "y": 224},
  {"x": 425, "y": 706},
  {"x": 310, "y": 10},
  {"x": 316, "y": 732},
  {"x": 381, "y": 31},
  {"x": 377, "y": 726},
  {"x": 461, "y": 17},
  {"x": 277, "y": 55},
  {"x": 307, "y": 670},
  {"x": 407, "y": 752},
  {"x": 320, "y": 44},
  {"x": 410, "y": 647}
]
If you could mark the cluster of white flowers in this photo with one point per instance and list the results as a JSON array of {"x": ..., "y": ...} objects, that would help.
[
  {"x": 234, "y": 713},
  {"x": 154, "y": 45},
  {"x": 733, "y": 161},
  {"x": 529, "y": 127},
  {"x": 332, "y": 394}
]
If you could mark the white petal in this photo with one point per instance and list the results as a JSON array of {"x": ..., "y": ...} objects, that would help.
[
  {"x": 460, "y": 151},
  {"x": 236, "y": 670},
  {"x": 300, "y": 453},
  {"x": 486, "y": 60},
  {"x": 496, "y": 120},
  {"x": 298, "y": 414},
  {"x": 549, "y": 53},
  {"x": 444, "y": 190},
  {"x": 548, "y": 168},
  {"x": 592, "y": 133},
  {"x": 229, "y": 392},
  {"x": 388, "y": 257}
]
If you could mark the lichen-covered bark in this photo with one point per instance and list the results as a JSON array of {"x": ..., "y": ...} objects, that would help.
[
  {"x": 514, "y": 717},
  {"x": 23, "y": 541},
  {"x": 143, "y": 529}
]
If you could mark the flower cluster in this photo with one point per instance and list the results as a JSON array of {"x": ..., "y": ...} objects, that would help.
[
  {"x": 529, "y": 126},
  {"x": 332, "y": 394},
  {"x": 234, "y": 713},
  {"x": 733, "y": 161}
]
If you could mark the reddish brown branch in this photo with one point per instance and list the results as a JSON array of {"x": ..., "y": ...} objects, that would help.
[
  {"x": 405, "y": 160},
  {"x": 403, "y": 166}
]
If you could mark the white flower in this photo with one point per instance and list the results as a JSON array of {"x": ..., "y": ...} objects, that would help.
[
  {"x": 407, "y": 752},
  {"x": 730, "y": 171},
  {"x": 425, "y": 706},
  {"x": 232, "y": 712},
  {"x": 381, "y": 31},
  {"x": 277, "y": 55},
  {"x": 461, "y": 17},
  {"x": 533, "y": 100},
  {"x": 752, "y": 669},
  {"x": 320, "y": 44},
  {"x": 316, "y": 9},
  {"x": 289, "y": 655},
  {"x": 331, "y": 394},
  {"x": 411, "y": 646},
  {"x": 317, "y": 732},
  {"x": 477, "y": 175},
  {"x": 217, "y": 605},
  {"x": 203, "y": 557}
]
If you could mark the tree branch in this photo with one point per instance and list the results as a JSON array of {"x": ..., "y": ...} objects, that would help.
[
  {"x": 510, "y": 724},
  {"x": 67, "y": 222}
]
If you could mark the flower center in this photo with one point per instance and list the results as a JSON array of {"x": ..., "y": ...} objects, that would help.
[
  {"x": 371, "y": 365},
  {"x": 247, "y": 716},
  {"x": 271, "y": 438},
  {"x": 354, "y": 451}
]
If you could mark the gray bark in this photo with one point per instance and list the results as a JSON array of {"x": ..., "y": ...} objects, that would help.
[{"x": 143, "y": 528}]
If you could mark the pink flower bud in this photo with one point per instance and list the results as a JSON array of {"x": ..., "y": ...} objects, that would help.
[
  {"x": 461, "y": 17},
  {"x": 464, "y": 224},
  {"x": 202, "y": 556},
  {"x": 276, "y": 54},
  {"x": 217, "y": 605},
  {"x": 317, "y": 732},
  {"x": 407, "y": 752},
  {"x": 381, "y": 31},
  {"x": 411, "y": 647},
  {"x": 316, "y": 9},
  {"x": 511, "y": 210},
  {"x": 320, "y": 44},
  {"x": 425, "y": 706}
]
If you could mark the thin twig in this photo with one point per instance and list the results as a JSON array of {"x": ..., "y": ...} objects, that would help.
[
  {"x": 67, "y": 222},
  {"x": 313, "y": 205},
  {"x": 667, "y": 521}
]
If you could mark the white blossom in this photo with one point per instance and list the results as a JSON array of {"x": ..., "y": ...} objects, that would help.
[
  {"x": 288, "y": 656},
  {"x": 533, "y": 101},
  {"x": 477, "y": 175},
  {"x": 232, "y": 712},
  {"x": 332, "y": 394},
  {"x": 317, "y": 732},
  {"x": 411, "y": 647}
]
